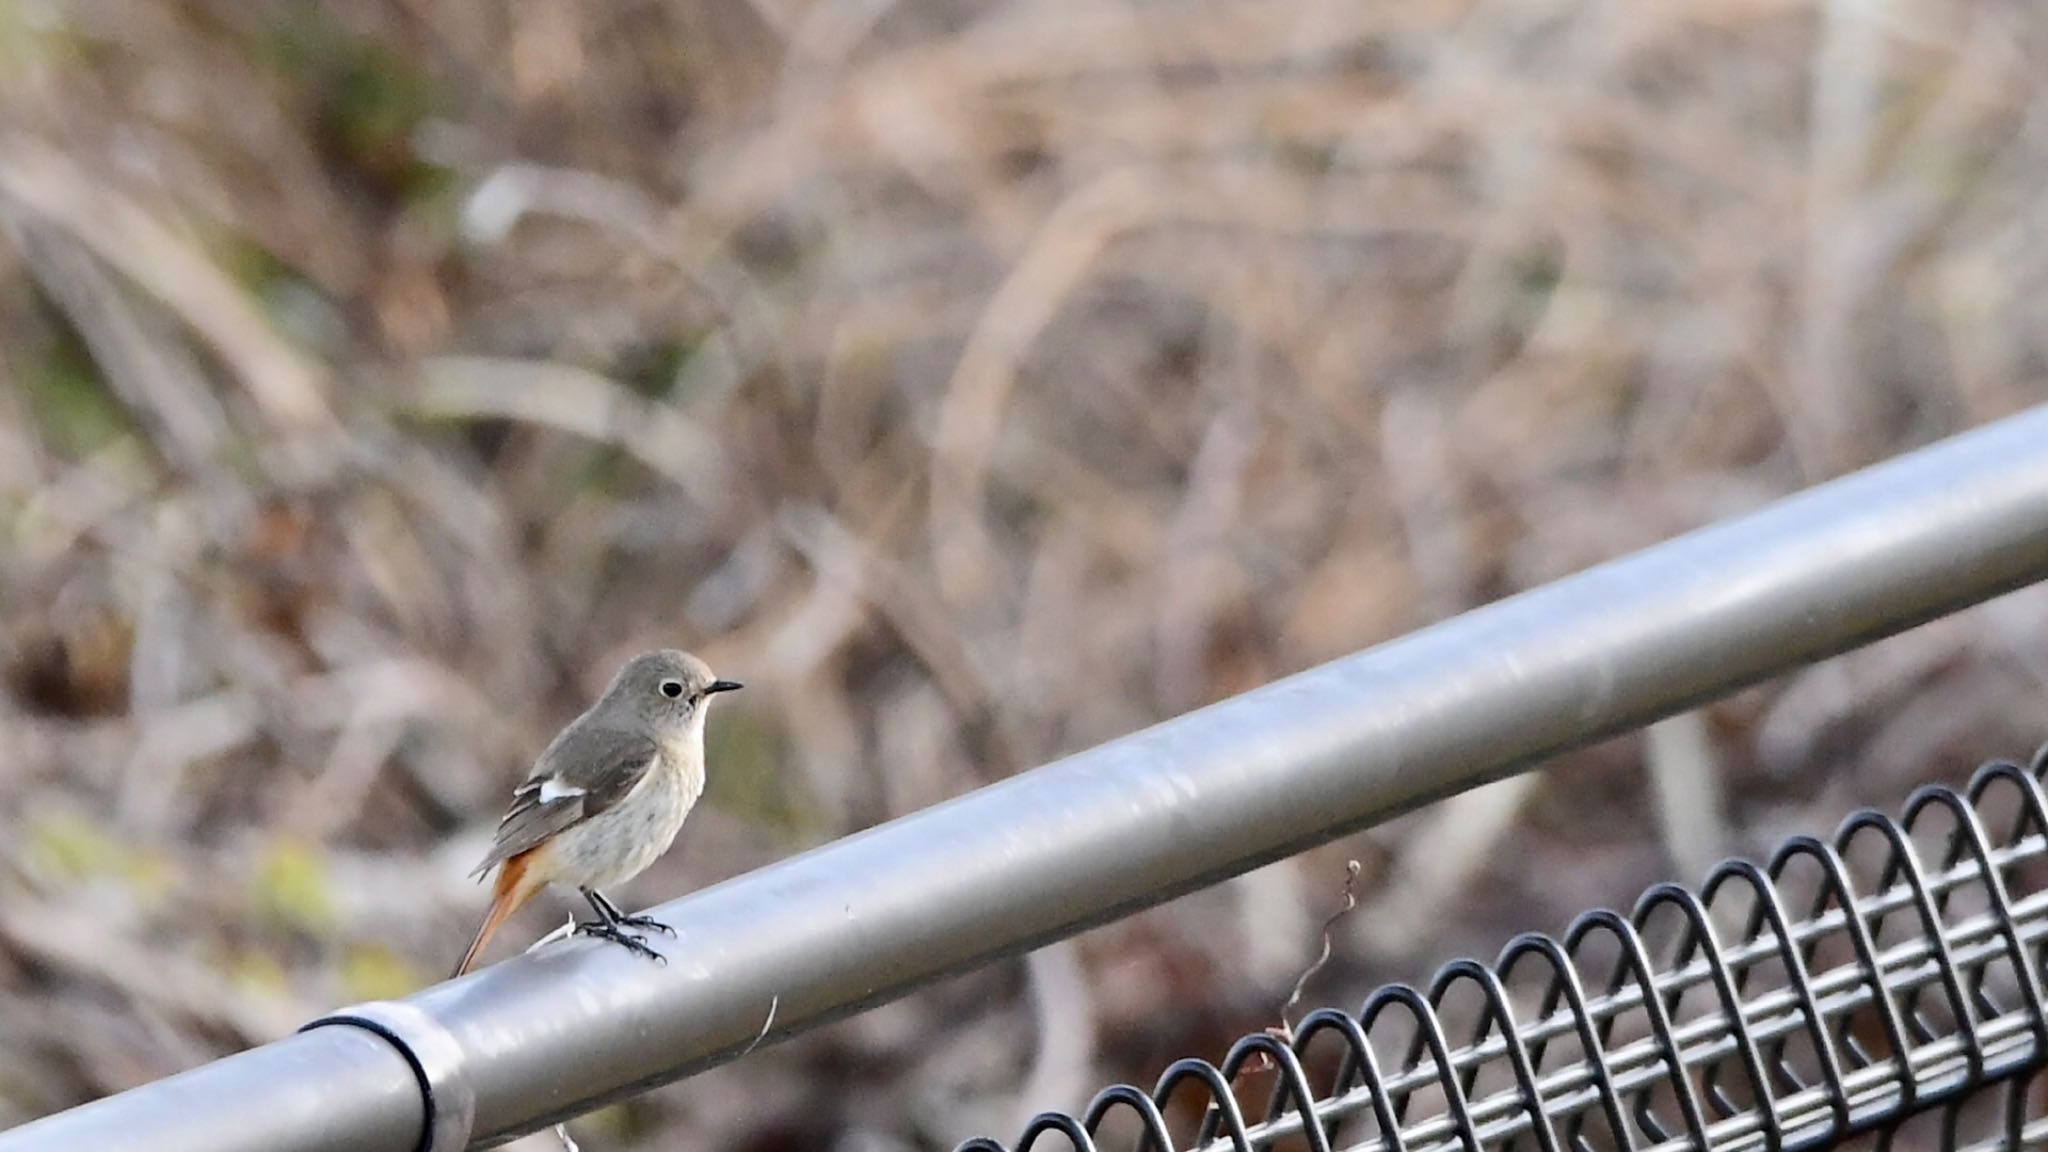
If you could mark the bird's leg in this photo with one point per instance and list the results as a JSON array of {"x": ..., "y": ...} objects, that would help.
[
  {"x": 609, "y": 925},
  {"x": 611, "y": 912}
]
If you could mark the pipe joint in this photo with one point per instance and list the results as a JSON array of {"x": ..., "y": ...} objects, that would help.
[{"x": 448, "y": 1099}]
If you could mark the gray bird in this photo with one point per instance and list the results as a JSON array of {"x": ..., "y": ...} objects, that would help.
[{"x": 606, "y": 797}]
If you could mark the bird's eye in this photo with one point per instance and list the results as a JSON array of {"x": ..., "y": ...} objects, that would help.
[{"x": 671, "y": 688}]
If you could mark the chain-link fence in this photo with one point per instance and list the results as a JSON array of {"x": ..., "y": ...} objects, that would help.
[{"x": 1842, "y": 988}]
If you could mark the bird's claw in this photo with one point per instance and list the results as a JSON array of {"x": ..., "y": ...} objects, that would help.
[
  {"x": 646, "y": 924},
  {"x": 616, "y": 933}
]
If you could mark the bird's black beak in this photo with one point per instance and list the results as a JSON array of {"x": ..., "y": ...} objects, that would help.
[{"x": 724, "y": 686}]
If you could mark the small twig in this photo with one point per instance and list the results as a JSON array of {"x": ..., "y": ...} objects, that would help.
[
  {"x": 563, "y": 933},
  {"x": 774, "y": 1002},
  {"x": 1351, "y": 870},
  {"x": 1284, "y": 1031}
]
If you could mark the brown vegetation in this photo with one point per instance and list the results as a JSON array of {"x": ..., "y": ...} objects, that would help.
[{"x": 977, "y": 382}]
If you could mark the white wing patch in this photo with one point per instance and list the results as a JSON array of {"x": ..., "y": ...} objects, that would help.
[{"x": 552, "y": 790}]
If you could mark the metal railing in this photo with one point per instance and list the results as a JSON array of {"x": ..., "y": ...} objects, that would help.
[
  {"x": 1784, "y": 1048},
  {"x": 1123, "y": 826}
]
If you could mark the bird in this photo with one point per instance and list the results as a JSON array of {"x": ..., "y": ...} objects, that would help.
[{"x": 605, "y": 798}]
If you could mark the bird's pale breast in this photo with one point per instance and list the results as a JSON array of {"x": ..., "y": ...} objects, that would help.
[{"x": 623, "y": 840}]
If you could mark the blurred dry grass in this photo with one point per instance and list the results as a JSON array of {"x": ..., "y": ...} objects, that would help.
[{"x": 977, "y": 381}]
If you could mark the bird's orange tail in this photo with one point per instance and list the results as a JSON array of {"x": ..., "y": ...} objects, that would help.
[{"x": 516, "y": 883}]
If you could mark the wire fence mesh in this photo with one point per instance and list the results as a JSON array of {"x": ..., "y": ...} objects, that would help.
[{"x": 1840, "y": 990}]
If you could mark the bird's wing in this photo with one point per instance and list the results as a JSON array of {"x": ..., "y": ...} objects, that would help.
[{"x": 583, "y": 772}]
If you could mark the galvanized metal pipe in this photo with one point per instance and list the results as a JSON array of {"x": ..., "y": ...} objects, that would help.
[
  {"x": 1147, "y": 817},
  {"x": 332, "y": 1090}
]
